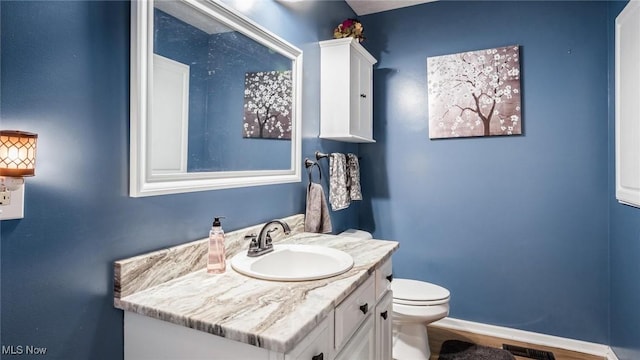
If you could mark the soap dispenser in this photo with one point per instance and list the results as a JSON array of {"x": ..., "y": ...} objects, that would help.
[{"x": 216, "y": 263}]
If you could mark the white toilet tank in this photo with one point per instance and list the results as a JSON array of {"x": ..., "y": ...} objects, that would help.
[{"x": 360, "y": 234}]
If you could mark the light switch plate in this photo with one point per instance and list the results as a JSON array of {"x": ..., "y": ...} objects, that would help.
[{"x": 15, "y": 210}]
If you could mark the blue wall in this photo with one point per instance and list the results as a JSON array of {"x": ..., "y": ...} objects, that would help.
[
  {"x": 65, "y": 76},
  {"x": 624, "y": 240},
  {"x": 515, "y": 227}
]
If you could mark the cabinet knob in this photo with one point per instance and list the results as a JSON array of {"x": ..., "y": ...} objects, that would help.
[
  {"x": 363, "y": 95},
  {"x": 364, "y": 308},
  {"x": 390, "y": 277},
  {"x": 318, "y": 357},
  {"x": 384, "y": 314}
]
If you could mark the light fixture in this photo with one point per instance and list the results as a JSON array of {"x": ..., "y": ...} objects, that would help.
[{"x": 17, "y": 160}]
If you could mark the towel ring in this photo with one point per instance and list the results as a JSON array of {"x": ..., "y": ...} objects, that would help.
[{"x": 309, "y": 165}]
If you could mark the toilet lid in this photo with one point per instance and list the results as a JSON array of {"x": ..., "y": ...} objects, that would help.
[{"x": 414, "y": 291}]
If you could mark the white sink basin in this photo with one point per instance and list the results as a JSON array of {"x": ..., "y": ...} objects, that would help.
[{"x": 289, "y": 262}]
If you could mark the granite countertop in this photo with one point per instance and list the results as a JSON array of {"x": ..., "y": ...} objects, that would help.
[{"x": 268, "y": 314}]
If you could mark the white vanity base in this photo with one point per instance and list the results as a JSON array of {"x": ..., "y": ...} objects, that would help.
[
  {"x": 149, "y": 338},
  {"x": 346, "y": 333},
  {"x": 347, "y": 317}
]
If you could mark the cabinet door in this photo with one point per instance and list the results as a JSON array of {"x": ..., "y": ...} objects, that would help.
[
  {"x": 361, "y": 106},
  {"x": 384, "y": 313},
  {"x": 366, "y": 99},
  {"x": 318, "y": 345},
  {"x": 362, "y": 345},
  {"x": 354, "y": 94}
]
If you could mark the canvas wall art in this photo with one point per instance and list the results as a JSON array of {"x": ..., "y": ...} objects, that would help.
[
  {"x": 475, "y": 93},
  {"x": 267, "y": 105}
]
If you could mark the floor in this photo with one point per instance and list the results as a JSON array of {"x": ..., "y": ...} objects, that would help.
[{"x": 437, "y": 335}]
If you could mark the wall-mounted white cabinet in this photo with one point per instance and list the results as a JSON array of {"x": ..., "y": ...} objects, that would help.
[
  {"x": 346, "y": 91},
  {"x": 627, "y": 105}
]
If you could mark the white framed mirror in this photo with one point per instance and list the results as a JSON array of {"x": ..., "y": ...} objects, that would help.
[{"x": 215, "y": 100}]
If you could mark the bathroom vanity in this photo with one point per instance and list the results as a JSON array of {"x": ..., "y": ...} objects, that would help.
[{"x": 174, "y": 309}]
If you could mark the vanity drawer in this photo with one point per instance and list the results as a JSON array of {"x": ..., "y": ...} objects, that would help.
[
  {"x": 384, "y": 275},
  {"x": 353, "y": 310},
  {"x": 317, "y": 345}
]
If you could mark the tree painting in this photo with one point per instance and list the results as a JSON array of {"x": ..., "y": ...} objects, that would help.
[
  {"x": 475, "y": 93},
  {"x": 267, "y": 105}
]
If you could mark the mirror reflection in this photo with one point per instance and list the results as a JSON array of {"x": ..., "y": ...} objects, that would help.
[{"x": 220, "y": 100}]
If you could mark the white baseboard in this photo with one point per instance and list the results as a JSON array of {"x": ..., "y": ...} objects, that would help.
[
  {"x": 529, "y": 337},
  {"x": 610, "y": 355}
]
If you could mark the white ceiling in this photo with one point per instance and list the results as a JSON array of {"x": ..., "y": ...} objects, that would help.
[{"x": 364, "y": 7}]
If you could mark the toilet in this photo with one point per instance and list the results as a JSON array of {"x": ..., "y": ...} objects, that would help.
[{"x": 415, "y": 305}]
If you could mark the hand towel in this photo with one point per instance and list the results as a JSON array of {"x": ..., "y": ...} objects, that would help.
[
  {"x": 317, "y": 219},
  {"x": 353, "y": 171},
  {"x": 338, "y": 193}
]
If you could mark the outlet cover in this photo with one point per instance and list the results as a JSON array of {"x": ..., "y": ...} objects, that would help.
[
  {"x": 5, "y": 197},
  {"x": 15, "y": 210}
]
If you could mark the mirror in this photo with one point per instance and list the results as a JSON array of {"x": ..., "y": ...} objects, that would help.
[{"x": 215, "y": 100}]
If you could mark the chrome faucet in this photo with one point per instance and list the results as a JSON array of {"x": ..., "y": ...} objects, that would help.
[{"x": 263, "y": 243}]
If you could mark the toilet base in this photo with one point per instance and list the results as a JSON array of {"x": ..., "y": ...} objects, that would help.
[{"x": 410, "y": 342}]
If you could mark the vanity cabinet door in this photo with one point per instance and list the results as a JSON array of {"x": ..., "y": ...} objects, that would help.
[
  {"x": 362, "y": 345},
  {"x": 318, "y": 345},
  {"x": 384, "y": 328}
]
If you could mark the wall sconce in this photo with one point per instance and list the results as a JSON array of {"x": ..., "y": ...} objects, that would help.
[{"x": 17, "y": 160}]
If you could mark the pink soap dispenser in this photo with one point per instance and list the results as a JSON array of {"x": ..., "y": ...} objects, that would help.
[{"x": 216, "y": 263}]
